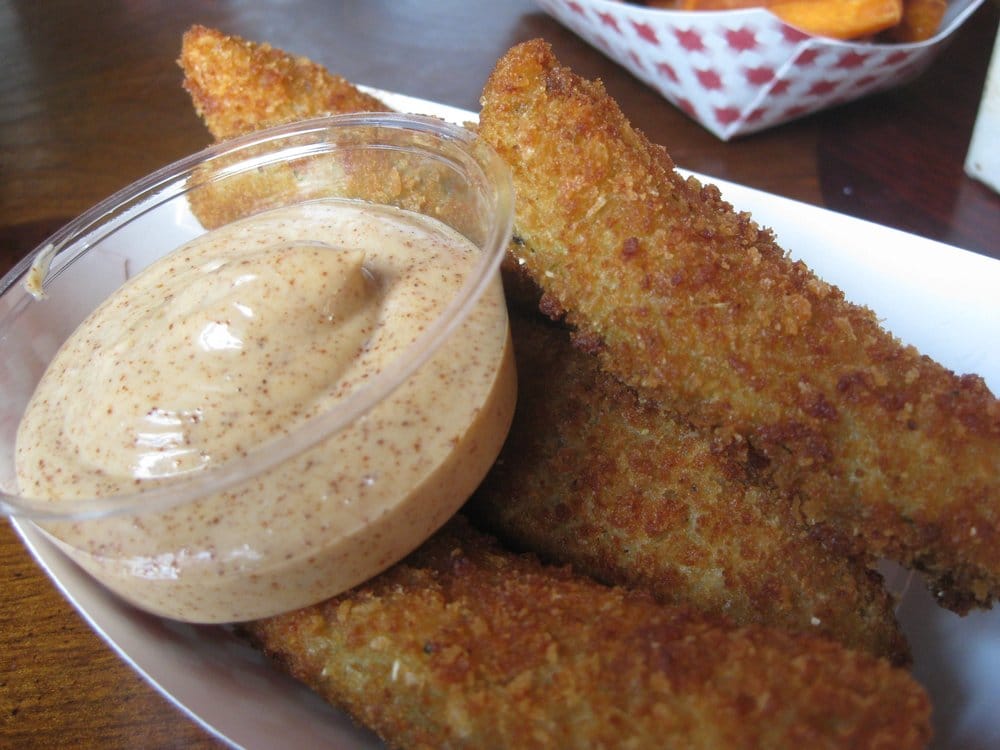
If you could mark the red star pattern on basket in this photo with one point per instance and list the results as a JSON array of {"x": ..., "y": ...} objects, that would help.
[{"x": 741, "y": 71}]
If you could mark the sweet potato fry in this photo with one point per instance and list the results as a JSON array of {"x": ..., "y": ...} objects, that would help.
[
  {"x": 839, "y": 19},
  {"x": 715, "y": 4},
  {"x": 921, "y": 20},
  {"x": 707, "y": 4}
]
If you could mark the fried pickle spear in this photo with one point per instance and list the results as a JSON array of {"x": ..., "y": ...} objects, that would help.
[
  {"x": 466, "y": 645},
  {"x": 888, "y": 453},
  {"x": 594, "y": 476},
  {"x": 238, "y": 86}
]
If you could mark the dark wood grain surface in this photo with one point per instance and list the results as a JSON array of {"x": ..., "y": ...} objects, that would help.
[{"x": 90, "y": 100}]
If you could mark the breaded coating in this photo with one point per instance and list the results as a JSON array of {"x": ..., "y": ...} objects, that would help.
[
  {"x": 466, "y": 645},
  {"x": 238, "y": 86},
  {"x": 887, "y": 452},
  {"x": 593, "y": 476}
]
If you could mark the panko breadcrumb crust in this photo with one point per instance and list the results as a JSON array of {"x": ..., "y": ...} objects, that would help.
[
  {"x": 593, "y": 475},
  {"x": 887, "y": 452},
  {"x": 466, "y": 645},
  {"x": 238, "y": 86}
]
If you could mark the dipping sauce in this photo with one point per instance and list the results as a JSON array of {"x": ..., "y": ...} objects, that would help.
[{"x": 237, "y": 339}]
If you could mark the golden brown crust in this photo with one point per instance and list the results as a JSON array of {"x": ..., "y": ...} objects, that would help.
[
  {"x": 692, "y": 302},
  {"x": 238, "y": 86},
  {"x": 466, "y": 645},
  {"x": 594, "y": 476}
]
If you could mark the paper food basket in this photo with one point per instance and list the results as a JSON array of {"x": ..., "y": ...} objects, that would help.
[{"x": 741, "y": 71}]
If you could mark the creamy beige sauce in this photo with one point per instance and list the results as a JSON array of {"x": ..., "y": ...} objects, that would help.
[{"x": 234, "y": 340}]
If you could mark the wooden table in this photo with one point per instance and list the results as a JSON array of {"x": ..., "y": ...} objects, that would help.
[{"x": 91, "y": 100}]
